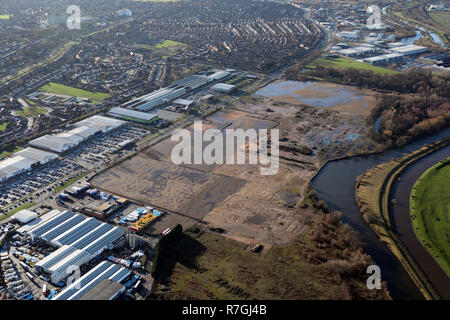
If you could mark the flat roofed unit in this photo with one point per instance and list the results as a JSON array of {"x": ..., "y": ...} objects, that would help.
[
  {"x": 25, "y": 216},
  {"x": 104, "y": 290},
  {"x": 88, "y": 238},
  {"x": 80, "y": 283},
  {"x": 53, "y": 143},
  {"x": 132, "y": 113},
  {"x": 63, "y": 227},
  {"x": 15, "y": 165},
  {"x": 223, "y": 87},
  {"x": 35, "y": 223},
  {"x": 409, "y": 49},
  {"x": 51, "y": 223},
  {"x": 76, "y": 232},
  {"x": 37, "y": 155},
  {"x": 100, "y": 123},
  {"x": 104, "y": 275}
]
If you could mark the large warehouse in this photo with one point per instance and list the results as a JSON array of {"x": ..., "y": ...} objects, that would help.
[
  {"x": 94, "y": 280},
  {"x": 23, "y": 161},
  {"x": 409, "y": 50},
  {"x": 79, "y": 240},
  {"x": 132, "y": 115},
  {"x": 83, "y": 130}
]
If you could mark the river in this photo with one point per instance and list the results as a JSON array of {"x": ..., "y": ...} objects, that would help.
[
  {"x": 335, "y": 184},
  {"x": 403, "y": 226}
]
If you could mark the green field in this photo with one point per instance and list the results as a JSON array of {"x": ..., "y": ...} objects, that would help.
[
  {"x": 3, "y": 125},
  {"x": 7, "y": 151},
  {"x": 168, "y": 44},
  {"x": 5, "y": 16},
  {"x": 430, "y": 208},
  {"x": 342, "y": 63},
  {"x": 442, "y": 18},
  {"x": 31, "y": 111},
  {"x": 57, "y": 88}
]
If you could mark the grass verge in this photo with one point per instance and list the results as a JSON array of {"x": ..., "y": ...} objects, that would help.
[{"x": 429, "y": 203}]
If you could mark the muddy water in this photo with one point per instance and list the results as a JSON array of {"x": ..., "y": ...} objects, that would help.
[
  {"x": 336, "y": 184},
  {"x": 316, "y": 94}
]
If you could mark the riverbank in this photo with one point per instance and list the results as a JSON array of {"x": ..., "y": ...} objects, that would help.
[
  {"x": 428, "y": 210},
  {"x": 373, "y": 191}
]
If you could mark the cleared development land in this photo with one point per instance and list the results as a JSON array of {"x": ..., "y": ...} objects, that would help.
[
  {"x": 430, "y": 207},
  {"x": 57, "y": 88},
  {"x": 442, "y": 18}
]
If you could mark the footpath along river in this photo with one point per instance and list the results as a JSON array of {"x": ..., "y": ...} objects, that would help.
[{"x": 335, "y": 184}]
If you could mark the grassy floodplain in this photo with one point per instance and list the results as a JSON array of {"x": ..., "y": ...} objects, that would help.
[
  {"x": 441, "y": 18},
  {"x": 429, "y": 209},
  {"x": 57, "y": 88},
  {"x": 342, "y": 63}
]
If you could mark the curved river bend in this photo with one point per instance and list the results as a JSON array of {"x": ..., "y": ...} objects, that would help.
[{"x": 335, "y": 184}]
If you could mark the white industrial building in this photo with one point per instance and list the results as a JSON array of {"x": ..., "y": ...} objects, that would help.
[
  {"x": 357, "y": 51},
  {"x": 159, "y": 97},
  {"x": 25, "y": 216},
  {"x": 42, "y": 157},
  {"x": 104, "y": 270},
  {"x": 223, "y": 87},
  {"x": 409, "y": 50},
  {"x": 79, "y": 240},
  {"x": 83, "y": 130},
  {"x": 123, "y": 112},
  {"x": 383, "y": 59},
  {"x": 15, "y": 165}
]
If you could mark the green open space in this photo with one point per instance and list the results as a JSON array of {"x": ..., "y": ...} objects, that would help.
[
  {"x": 61, "y": 187},
  {"x": 3, "y": 125},
  {"x": 57, "y": 88},
  {"x": 31, "y": 111},
  {"x": 441, "y": 18},
  {"x": 8, "y": 150},
  {"x": 342, "y": 63},
  {"x": 22, "y": 207},
  {"x": 430, "y": 212},
  {"x": 168, "y": 44},
  {"x": 5, "y": 16}
]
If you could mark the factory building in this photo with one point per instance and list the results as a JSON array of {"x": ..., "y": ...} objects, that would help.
[
  {"x": 357, "y": 51},
  {"x": 224, "y": 87},
  {"x": 83, "y": 130},
  {"x": 383, "y": 59},
  {"x": 132, "y": 115},
  {"x": 409, "y": 50},
  {"x": 23, "y": 161},
  {"x": 94, "y": 281},
  {"x": 79, "y": 240},
  {"x": 42, "y": 157},
  {"x": 14, "y": 166}
]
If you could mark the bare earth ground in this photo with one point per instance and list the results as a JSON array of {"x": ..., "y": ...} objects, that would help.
[{"x": 250, "y": 207}]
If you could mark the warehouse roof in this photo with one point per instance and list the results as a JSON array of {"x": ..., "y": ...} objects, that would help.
[
  {"x": 38, "y": 221},
  {"x": 51, "y": 223},
  {"x": 63, "y": 227},
  {"x": 409, "y": 48},
  {"x": 104, "y": 290},
  {"x": 37, "y": 155},
  {"x": 132, "y": 113},
  {"x": 11, "y": 166},
  {"x": 57, "y": 143},
  {"x": 25, "y": 216},
  {"x": 82, "y": 286},
  {"x": 76, "y": 232},
  {"x": 100, "y": 123}
]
